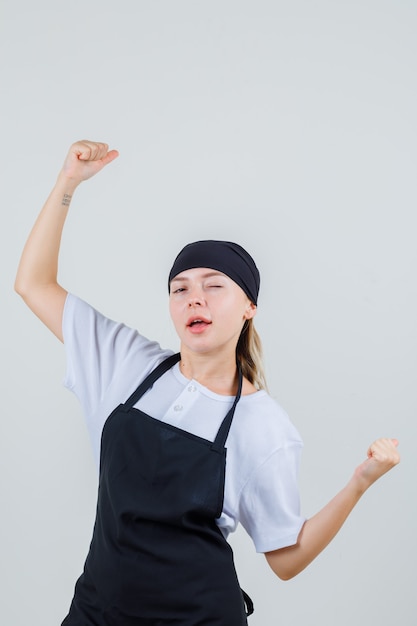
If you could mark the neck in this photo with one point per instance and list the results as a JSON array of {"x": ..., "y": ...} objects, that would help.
[{"x": 217, "y": 374}]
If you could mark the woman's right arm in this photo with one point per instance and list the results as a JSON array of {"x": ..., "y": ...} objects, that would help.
[{"x": 36, "y": 279}]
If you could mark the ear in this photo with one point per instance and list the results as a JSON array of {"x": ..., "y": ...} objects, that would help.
[{"x": 250, "y": 311}]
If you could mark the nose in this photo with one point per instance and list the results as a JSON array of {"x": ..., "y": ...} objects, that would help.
[{"x": 195, "y": 299}]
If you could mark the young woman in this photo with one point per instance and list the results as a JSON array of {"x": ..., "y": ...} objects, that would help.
[{"x": 160, "y": 423}]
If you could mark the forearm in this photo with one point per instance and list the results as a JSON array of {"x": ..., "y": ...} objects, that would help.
[
  {"x": 39, "y": 261},
  {"x": 316, "y": 534}
]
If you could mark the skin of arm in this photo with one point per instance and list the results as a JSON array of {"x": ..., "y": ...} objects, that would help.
[
  {"x": 36, "y": 280},
  {"x": 320, "y": 529}
]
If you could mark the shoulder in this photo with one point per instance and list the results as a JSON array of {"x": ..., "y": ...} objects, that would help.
[
  {"x": 262, "y": 413},
  {"x": 261, "y": 428}
]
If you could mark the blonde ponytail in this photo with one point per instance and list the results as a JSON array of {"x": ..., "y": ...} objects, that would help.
[{"x": 249, "y": 355}]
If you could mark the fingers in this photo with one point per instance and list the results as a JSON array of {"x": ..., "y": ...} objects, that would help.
[
  {"x": 85, "y": 159},
  {"x": 90, "y": 150},
  {"x": 382, "y": 457},
  {"x": 385, "y": 451}
]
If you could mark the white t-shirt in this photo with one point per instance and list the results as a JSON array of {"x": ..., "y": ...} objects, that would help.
[{"x": 107, "y": 360}]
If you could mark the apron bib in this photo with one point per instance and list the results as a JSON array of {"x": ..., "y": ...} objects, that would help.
[{"x": 157, "y": 556}]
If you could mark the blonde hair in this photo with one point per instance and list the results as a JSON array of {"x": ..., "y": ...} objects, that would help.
[{"x": 249, "y": 355}]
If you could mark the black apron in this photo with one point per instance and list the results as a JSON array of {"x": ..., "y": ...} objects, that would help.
[{"x": 157, "y": 556}]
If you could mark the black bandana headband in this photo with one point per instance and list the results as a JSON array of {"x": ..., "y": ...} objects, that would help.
[{"x": 223, "y": 256}]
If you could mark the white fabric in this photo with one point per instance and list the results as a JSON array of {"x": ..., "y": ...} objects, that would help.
[{"x": 107, "y": 360}]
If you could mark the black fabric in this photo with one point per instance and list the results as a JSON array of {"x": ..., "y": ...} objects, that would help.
[
  {"x": 157, "y": 555},
  {"x": 223, "y": 256}
]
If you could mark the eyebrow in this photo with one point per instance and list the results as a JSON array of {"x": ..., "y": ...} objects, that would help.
[{"x": 207, "y": 275}]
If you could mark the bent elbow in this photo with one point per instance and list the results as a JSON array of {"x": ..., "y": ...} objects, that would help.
[
  {"x": 19, "y": 287},
  {"x": 284, "y": 562},
  {"x": 23, "y": 288},
  {"x": 285, "y": 574}
]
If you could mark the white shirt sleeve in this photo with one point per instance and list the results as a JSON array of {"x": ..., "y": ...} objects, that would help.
[
  {"x": 269, "y": 506},
  {"x": 106, "y": 360}
]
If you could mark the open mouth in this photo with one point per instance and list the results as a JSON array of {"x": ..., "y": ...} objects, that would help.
[{"x": 198, "y": 323}]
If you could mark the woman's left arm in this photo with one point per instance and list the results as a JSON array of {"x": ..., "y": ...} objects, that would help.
[{"x": 320, "y": 529}]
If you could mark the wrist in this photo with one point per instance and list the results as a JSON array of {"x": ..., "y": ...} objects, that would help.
[
  {"x": 65, "y": 184},
  {"x": 357, "y": 485}
]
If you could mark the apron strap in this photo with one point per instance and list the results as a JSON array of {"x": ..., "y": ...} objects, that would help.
[
  {"x": 219, "y": 442},
  {"x": 151, "y": 378},
  {"x": 249, "y": 609},
  {"x": 164, "y": 366}
]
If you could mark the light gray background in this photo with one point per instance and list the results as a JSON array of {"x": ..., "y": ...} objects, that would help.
[{"x": 287, "y": 126}]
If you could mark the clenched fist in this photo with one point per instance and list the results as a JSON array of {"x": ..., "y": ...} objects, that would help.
[
  {"x": 382, "y": 456},
  {"x": 85, "y": 159}
]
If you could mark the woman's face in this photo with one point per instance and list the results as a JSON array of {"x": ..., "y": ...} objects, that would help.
[{"x": 208, "y": 310}]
